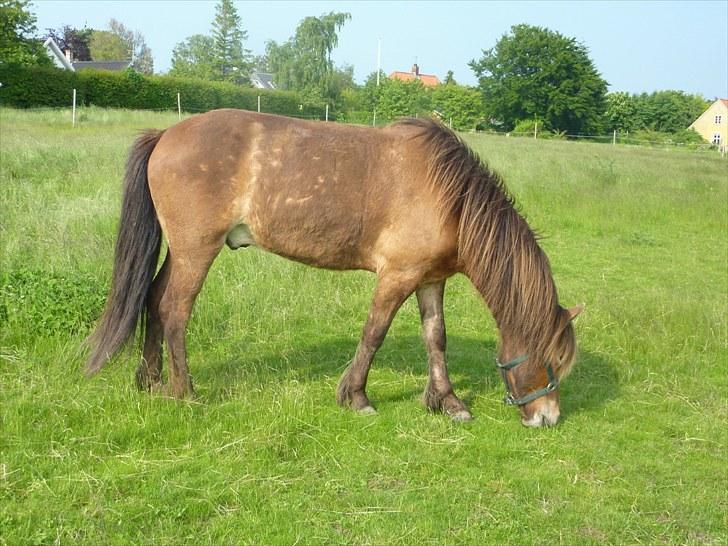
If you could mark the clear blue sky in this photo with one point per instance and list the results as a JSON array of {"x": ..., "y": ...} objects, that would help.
[{"x": 637, "y": 46}]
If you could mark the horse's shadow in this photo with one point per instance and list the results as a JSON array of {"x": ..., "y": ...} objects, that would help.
[{"x": 592, "y": 383}]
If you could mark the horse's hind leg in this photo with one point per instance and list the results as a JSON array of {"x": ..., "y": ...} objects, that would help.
[
  {"x": 439, "y": 394},
  {"x": 188, "y": 269},
  {"x": 391, "y": 291},
  {"x": 149, "y": 371}
]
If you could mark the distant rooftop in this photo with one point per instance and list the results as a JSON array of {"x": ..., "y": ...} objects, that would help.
[
  {"x": 101, "y": 65},
  {"x": 262, "y": 80},
  {"x": 428, "y": 80}
]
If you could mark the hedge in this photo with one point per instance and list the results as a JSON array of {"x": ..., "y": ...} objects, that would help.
[{"x": 30, "y": 86}]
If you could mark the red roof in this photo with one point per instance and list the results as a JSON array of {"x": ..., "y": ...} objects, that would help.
[
  {"x": 724, "y": 101},
  {"x": 428, "y": 80}
]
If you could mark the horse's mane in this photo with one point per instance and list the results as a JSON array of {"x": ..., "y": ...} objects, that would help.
[{"x": 499, "y": 250}]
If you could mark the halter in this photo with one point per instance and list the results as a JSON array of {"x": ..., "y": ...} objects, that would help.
[{"x": 509, "y": 399}]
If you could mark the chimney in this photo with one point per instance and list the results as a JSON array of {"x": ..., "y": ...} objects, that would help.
[
  {"x": 416, "y": 70},
  {"x": 68, "y": 54}
]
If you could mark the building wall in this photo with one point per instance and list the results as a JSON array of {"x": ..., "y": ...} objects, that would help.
[{"x": 714, "y": 121}]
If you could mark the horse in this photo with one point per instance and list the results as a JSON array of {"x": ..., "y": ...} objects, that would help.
[{"x": 410, "y": 202}]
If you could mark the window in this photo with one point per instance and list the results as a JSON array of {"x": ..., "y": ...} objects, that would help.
[
  {"x": 716, "y": 139},
  {"x": 718, "y": 119}
]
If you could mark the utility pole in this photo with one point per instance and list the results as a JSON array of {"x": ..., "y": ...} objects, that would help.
[{"x": 379, "y": 58}]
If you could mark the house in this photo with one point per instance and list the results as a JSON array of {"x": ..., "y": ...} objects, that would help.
[
  {"x": 262, "y": 80},
  {"x": 428, "y": 80},
  {"x": 65, "y": 60},
  {"x": 712, "y": 124},
  {"x": 57, "y": 56}
]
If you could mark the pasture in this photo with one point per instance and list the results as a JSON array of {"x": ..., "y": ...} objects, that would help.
[{"x": 263, "y": 455}]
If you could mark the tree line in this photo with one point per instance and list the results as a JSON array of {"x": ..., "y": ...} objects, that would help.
[{"x": 531, "y": 76}]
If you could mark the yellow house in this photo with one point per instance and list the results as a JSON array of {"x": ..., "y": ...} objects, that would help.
[{"x": 712, "y": 125}]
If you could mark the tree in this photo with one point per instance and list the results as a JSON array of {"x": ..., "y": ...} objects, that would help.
[
  {"x": 107, "y": 46},
  {"x": 394, "y": 98},
  {"x": 458, "y": 103},
  {"x": 303, "y": 63},
  {"x": 230, "y": 59},
  {"x": 669, "y": 111},
  {"x": 139, "y": 53},
  {"x": 17, "y": 35},
  {"x": 537, "y": 73},
  {"x": 78, "y": 41},
  {"x": 193, "y": 58},
  {"x": 450, "y": 77},
  {"x": 621, "y": 112},
  {"x": 120, "y": 43},
  {"x": 662, "y": 111}
]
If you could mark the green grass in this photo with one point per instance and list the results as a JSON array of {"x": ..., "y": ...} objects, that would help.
[{"x": 263, "y": 455}]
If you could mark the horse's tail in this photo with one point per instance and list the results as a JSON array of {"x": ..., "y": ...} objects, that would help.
[{"x": 135, "y": 259}]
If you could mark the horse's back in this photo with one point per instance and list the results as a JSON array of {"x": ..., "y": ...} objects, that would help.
[{"x": 330, "y": 195}]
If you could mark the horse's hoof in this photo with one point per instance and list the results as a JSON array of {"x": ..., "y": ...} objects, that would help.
[
  {"x": 461, "y": 416},
  {"x": 367, "y": 410}
]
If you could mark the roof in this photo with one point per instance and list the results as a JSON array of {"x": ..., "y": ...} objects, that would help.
[
  {"x": 262, "y": 80},
  {"x": 428, "y": 80},
  {"x": 101, "y": 65},
  {"x": 724, "y": 101}
]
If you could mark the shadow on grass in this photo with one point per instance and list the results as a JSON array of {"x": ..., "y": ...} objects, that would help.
[{"x": 592, "y": 382}]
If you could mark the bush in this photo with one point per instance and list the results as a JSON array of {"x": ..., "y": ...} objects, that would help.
[
  {"x": 687, "y": 137},
  {"x": 28, "y": 87}
]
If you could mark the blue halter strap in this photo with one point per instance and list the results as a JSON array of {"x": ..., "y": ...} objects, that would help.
[{"x": 509, "y": 398}]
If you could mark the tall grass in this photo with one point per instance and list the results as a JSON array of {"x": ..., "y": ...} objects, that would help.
[{"x": 264, "y": 456}]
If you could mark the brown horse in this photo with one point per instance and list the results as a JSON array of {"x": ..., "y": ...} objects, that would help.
[{"x": 409, "y": 202}]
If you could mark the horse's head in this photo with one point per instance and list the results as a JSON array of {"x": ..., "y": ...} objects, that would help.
[{"x": 532, "y": 380}]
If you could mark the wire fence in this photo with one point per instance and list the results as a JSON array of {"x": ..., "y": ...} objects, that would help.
[{"x": 370, "y": 118}]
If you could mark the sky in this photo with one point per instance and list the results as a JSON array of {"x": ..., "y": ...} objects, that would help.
[{"x": 636, "y": 46}]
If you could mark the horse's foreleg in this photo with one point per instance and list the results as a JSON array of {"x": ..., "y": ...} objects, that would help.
[
  {"x": 187, "y": 273},
  {"x": 391, "y": 291},
  {"x": 439, "y": 395},
  {"x": 149, "y": 371}
]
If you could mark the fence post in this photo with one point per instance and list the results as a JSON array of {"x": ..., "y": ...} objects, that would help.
[
  {"x": 259, "y": 104},
  {"x": 327, "y": 112},
  {"x": 614, "y": 138},
  {"x": 179, "y": 107},
  {"x": 73, "y": 115},
  {"x": 535, "y": 130}
]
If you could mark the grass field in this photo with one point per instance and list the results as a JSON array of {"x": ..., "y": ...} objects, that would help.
[{"x": 263, "y": 455}]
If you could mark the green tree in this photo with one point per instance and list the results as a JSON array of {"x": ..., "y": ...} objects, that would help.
[
  {"x": 303, "y": 63},
  {"x": 621, "y": 112},
  {"x": 459, "y": 104},
  {"x": 669, "y": 111},
  {"x": 535, "y": 72},
  {"x": 397, "y": 98},
  {"x": 139, "y": 52},
  {"x": 231, "y": 60},
  {"x": 662, "y": 111},
  {"x": 120, "y": 43},
  {"x": 17, "y": 35},
  {"x": 194, "y": 58},
  {"x": 107, "y": 46}
]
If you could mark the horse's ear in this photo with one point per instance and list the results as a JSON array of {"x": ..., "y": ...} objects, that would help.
[{"x": 575, "y": 311}]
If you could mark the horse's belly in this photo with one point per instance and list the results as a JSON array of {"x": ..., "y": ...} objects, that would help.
[{"x": 311, "y": 233}]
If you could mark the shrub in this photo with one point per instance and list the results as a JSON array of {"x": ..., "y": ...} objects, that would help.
[{"x": 27, "y": 87}]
